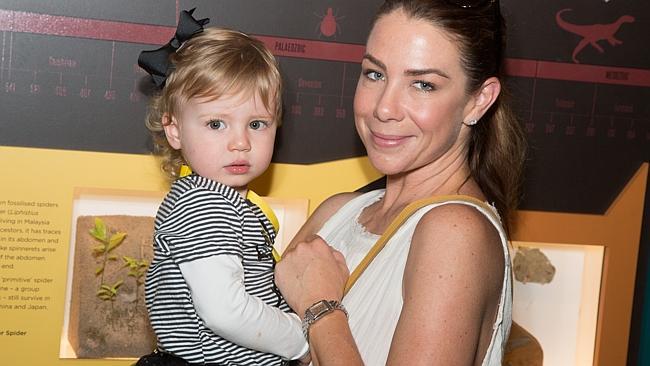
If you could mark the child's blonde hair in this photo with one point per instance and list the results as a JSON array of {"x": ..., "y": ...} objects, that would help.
[{"x": 214, "y": 62}]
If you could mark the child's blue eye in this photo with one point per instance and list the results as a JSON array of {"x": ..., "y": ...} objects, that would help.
[
  {"x": 373, "y": 75},
  {"x": 258, "y": 125},
  {"x": 216, "y": 124}
]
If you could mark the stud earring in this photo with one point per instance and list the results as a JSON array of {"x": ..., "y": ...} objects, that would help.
[{"x": 471, "y": 122}]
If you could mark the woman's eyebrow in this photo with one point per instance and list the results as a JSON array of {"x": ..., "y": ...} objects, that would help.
[
  {"x": 418, "y": 72},
  {"x": 409, "y": 72},
  {"x": 374, "y": 60}
]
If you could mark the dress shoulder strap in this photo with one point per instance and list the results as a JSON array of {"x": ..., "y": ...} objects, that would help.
[{"x": 402, "y": 217}]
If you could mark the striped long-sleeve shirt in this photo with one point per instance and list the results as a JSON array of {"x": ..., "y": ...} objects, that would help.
[{"x": 200, "y": 218}]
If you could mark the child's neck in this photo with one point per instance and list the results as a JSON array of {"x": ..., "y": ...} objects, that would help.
[
  {"x": 242, "y": 191},
  {"x": 185, "y": 170}
]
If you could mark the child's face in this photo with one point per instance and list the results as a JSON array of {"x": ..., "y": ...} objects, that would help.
[{"x": 229, "y": 140}]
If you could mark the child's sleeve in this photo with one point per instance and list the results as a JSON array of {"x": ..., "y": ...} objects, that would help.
[
  {"x": 201, "y": 224},
  {"x": 222, "y": 302}
]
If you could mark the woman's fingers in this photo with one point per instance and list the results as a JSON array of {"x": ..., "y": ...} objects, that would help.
[
  {"x": 339, "y": 257},
  {"x": 309, "y": 272},
  {"x": 342, "y": 265}
]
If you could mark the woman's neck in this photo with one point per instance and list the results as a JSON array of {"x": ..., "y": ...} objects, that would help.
[{"x": 442, "y": 177}]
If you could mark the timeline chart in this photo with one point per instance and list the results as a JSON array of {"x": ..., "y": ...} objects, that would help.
[
  {"x": 123, "y": 11},
  {"x": 588, "y": 126},
  {"x": 69, "y": 80},
  {"x": 90, "y": 64}
]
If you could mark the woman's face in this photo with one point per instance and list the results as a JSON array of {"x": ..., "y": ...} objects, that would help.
[{"x": 410, "y": 102}]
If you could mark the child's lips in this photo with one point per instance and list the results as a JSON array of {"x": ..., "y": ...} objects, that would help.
[{"x": 238, "y": 167}]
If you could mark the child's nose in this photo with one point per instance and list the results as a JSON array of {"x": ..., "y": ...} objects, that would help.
[{"x": 240, "y": 142}]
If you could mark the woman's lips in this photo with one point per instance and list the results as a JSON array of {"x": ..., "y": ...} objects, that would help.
[{"x": 387, "y": 140}]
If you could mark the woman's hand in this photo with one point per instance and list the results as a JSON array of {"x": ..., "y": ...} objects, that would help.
[{"x": 311, "y": 271}]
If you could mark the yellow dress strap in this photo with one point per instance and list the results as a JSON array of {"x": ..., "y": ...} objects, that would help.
[
  {"x": 398, "y": 221},
  {"x": 265, "y": 207},
  {"x": 268, "y": 212}
]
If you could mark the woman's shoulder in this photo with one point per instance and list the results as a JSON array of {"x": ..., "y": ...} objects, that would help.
[
  {"x": 454, "y": 228},
  {"x": 461, "y": 219},
  {"x": 323, "y": 212},
  {"x": 331, "y": 205},
  {"x": 347, "y": 201},
  {"x": 334, "y": 203}
]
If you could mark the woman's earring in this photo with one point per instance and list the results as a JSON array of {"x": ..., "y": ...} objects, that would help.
[{"x": 471, "y": 122}]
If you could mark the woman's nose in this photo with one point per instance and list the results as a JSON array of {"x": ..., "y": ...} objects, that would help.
[{"x": 388, "y": 107}]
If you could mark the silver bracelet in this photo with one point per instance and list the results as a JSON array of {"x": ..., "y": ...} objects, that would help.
[{"x": 317, "y": 311}]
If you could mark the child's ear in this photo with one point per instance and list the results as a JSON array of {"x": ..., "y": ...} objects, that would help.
[
  {"x": 172, "y": 131},
  {"x": 484, "y": 98}
]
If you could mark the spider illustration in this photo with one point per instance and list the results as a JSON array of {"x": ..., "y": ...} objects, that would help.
[{"x": 328, "y": 25}]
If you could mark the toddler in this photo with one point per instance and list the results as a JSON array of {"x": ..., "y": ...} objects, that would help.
[{"x": 210, "y": 289}]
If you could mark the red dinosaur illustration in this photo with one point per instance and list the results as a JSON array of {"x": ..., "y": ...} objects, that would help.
[{"x": 592, "y": 33}]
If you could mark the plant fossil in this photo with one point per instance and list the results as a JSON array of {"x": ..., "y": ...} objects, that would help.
[
  {"x": 107, "y": 243},
  {"x": 137, "y": 270},
  {"x": 108, "y": 292}
]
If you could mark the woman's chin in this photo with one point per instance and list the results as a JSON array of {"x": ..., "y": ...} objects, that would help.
[{"x": 387, "y": 166}]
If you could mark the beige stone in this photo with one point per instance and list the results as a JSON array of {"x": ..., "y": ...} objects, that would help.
[{"x": 531, "y": 265}]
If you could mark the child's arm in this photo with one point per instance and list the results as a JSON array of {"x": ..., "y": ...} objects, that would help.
[{"x": 221, "y": 301}]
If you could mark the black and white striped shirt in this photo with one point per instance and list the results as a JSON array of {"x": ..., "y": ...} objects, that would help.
[{"x": 200, "y": 218}]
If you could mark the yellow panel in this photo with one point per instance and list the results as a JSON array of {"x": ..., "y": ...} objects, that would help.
[{"x": 37, "y": 191}]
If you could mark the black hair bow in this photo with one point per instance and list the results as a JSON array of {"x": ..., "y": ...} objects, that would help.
[{"x": 156, "y": 62}]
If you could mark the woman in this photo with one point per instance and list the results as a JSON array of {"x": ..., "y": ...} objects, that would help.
[{"x": 428, "y": 110}]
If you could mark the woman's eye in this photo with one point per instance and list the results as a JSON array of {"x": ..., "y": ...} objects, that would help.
[
  {"x": 424, "y": 86},
  {"x": 258, "y": 125},
  {"x": 373, "y": 75},
  {"x": 216, "y": 124}
]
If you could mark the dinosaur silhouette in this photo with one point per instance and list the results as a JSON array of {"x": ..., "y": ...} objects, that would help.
[{"x": 592, "y": 33}]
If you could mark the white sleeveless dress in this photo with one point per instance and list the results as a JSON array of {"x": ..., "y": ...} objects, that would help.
[{"x": 375, "y": 302}]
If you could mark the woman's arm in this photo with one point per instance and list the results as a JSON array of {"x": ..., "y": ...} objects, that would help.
[
  {"x": 451, "y": 289},
  {"x": 311, "y": 271},
  {"x": 331, "y": 342},
  {"x": 329, "y": 336},
  {"x": 221, "y": 301}
]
